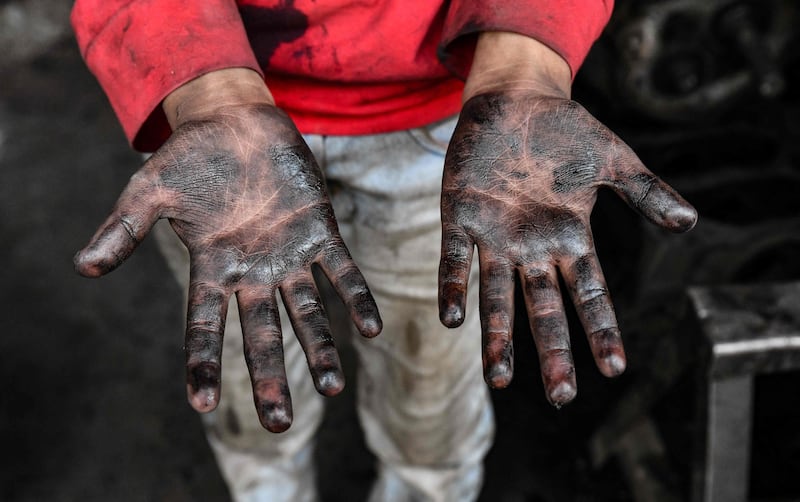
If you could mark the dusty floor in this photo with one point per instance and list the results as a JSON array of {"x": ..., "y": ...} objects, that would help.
[{"x": 93, "y": 404}]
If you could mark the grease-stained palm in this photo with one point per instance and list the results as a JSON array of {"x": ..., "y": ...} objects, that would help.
[
  {"x": 243, "y": 192},
  {"x": 520, "y": 181}
]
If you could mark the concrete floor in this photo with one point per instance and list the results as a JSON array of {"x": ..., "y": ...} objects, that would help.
[{"x": 94, "y": 407}]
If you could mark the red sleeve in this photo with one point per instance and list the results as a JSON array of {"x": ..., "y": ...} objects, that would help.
[
  {"x": 141, "y": 50},
  {"x": 569, "y": 27}
]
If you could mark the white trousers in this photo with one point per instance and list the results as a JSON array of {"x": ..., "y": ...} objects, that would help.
[{"x": 421, "y": 398}]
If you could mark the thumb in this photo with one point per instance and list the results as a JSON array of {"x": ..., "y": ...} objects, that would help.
[
  {"x": 135, "y": 213},
  {"x": 648, "y": 194}
]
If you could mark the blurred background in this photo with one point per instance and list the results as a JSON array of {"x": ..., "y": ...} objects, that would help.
[{"x": 93, "y": 405}]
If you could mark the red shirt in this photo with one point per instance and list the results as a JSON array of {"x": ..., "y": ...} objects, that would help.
[{"x": 337, "y": 67}]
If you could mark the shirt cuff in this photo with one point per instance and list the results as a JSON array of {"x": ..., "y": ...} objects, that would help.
[
  {"x": 142, "y": 50},
  {"x": 569, "y": 27}
]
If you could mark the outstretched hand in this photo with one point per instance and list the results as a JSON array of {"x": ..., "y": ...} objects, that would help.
[
  {"x": 520, "y": 181},
  {"x": 243, "y": 192}
]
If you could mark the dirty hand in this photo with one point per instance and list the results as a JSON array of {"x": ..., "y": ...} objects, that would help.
[
  {"x": 243, "y": 192},
  {"x": 520, "y": 180}
]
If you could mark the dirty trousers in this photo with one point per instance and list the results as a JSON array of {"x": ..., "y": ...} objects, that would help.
[{"x": 421, "y": 398}]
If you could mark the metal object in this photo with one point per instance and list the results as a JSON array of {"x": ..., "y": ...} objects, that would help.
[
  {"x": 681, "y": 58},
  {"x": 747, "y": 330}
]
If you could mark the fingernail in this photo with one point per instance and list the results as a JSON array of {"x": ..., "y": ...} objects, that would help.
[
  {"x": 330, "y": 383},
  {"x": 203, "y": 400},
  {"x": 681, "y": 218},
  {"x": 203, "y": 387},
  {"x": 85, "y": 266},
  {"x": 615, "y": 364},
  {"x": 562, "y": 394},
  {"x": 371, "y": 327},
  {"x": 499, "y": 376},
  {"x": 453, "y": 316},
  {"x": 275, "y": 418}
]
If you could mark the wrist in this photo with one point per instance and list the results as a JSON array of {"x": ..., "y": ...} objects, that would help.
[
  {"x": 205, "y": 95},
  {"x": 506, "y": 61}
]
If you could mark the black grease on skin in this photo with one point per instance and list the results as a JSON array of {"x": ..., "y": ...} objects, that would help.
[
  {"x": 244, "y": 193},
  {"x": 520, "y": 181}
]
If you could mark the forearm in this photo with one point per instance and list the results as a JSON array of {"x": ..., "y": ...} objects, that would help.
[
  {"x": 509, "y": 61},
  {"x": 205, "y": 95}
]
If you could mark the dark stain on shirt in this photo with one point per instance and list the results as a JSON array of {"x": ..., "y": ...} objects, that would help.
[{"x": 268, "y": 28}]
